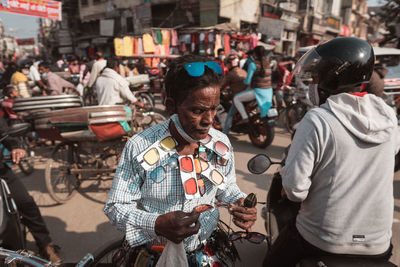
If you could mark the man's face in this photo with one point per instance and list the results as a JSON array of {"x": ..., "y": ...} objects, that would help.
[
  {"x": 196, "y": 113},
  {"x": 42, "y": 70}
]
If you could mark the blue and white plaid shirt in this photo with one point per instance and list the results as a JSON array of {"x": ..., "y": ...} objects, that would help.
[{"x": 135, "y": 200}]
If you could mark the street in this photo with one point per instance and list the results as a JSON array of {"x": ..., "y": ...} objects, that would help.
[{"x": 79, "y": 226}]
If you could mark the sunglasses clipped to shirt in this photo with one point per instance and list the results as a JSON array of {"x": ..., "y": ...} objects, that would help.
[{"x": 196, "y": 69}]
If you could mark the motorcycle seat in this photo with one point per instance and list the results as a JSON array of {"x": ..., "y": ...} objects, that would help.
[{"x": 343, "y": 261}]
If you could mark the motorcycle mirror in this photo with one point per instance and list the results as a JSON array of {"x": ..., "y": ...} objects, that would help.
[{"x": 259, "y": 164}]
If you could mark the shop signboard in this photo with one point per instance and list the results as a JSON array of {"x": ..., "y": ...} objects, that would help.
[
  {"x": 142, "y": 17},
  {"x": 208, "y": 13},
  {"x": 107, "y": 27},
  {"x": 26, "y": 41},
  {"x": 273, "y": 28},
  {"x": 318, "y": 26},
  {"x": 48, "y": 9},
  {"x": 333, "y": 23},
  {"x": 65, "y": 50}
]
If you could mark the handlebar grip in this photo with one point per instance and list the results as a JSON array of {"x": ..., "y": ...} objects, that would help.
[{"x": 250, "y": 201}]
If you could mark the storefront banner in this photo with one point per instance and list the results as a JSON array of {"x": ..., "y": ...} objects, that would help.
[
  {"x": 27, "y": 41},
  {"x": 107, "y": 27},
  {"x": 273, "y": 28},
  {"x": 38, "y": 8},
  {"x": 208, "y": 13}
]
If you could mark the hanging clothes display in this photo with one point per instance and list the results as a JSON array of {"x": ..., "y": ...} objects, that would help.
[
  {"x": 174, "y": 38},
  {"x": 148, "y": 43},
  {"x": 118, "y": 46},
  {"x": 140, "y": 46},
  {"x": 135, "y": 46},
  {"x": 128, "y": 46},
  {"x": 155, "y": 37},
  {"x": 253, "y": 41},
  {"x": 218, "y": 44},
  {"x": 227, "y": 44},
  {"x": 165, "y": 37},
  {"x": 159, "y": 37}
]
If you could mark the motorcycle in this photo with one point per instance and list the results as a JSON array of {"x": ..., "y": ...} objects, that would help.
[
  {"x": 261, "y": 131},
  {"x": 279, "y": 211}
]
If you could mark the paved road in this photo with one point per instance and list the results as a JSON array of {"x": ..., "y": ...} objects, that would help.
[{"x": 79, "y": 226}]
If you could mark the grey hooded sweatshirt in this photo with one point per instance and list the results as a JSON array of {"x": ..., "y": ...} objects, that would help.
[{"x": 340, "y": 166}]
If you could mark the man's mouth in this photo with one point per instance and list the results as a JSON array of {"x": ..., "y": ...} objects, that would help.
[{"x": 203, "y": 130}]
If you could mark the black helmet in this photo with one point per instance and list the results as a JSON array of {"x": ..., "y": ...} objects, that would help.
[{"x": 337, "y": 66}]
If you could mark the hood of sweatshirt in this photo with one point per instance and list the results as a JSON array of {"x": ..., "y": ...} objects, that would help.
[{"x": 368, "y": 117}]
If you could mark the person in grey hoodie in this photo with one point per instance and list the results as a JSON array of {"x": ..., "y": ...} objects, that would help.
[{"x": 340, "y": 164}]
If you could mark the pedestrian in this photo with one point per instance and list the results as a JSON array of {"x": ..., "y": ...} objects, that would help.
[
  {"x": 55, "y": 84},
  {"x": 112, "y": 89},
  {"x": 98, "y": 66},
  {"x": 152, "y": 198},
  {"x": 20, "y": 80},
  {"x": 233, "y": 80}
]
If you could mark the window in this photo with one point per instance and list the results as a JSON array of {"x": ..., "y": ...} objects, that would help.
[
  {"x": 84, "y": 3},
  {"x": 99, "y": 1}
]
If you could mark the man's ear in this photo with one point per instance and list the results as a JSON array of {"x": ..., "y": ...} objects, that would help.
[{"x": 170, "y": 105}]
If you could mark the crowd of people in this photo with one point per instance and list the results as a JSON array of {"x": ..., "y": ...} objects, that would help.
[{"x": 168, "y": 170}]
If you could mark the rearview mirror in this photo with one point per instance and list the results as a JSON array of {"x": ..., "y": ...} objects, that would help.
[{"x": 259, "y": 164}]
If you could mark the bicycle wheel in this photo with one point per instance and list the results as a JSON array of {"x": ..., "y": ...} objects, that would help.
[
  {"x": 147, "y": 100},
  {"x": 89, "y": 97},
  {"x": 60, "y": 183},
  {"x": 152, "y": 119},
  {"x": 103, "y": 256}
]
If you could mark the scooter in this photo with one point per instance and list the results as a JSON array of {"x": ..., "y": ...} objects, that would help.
[{"x": 279, "y": 211}]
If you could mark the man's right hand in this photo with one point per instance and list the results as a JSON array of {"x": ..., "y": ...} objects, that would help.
[
  {"x": 139, "y": 104},
  {"x": 177, "y": 225}
]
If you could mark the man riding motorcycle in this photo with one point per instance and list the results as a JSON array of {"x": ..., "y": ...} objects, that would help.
[
  {"x": 234, "y": 80},
  {"x": 340, "y": 164}
]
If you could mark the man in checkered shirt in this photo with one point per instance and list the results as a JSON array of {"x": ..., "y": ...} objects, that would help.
[{"x": 153, "y": 209}]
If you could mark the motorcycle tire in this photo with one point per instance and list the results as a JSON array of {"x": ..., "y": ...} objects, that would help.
[
  {"x": 294, "y": 114},
  {"x": 104, "y": 255},
  {"x": 261, "y": 134}
]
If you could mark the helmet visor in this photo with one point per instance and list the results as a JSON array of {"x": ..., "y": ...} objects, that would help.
[{"x": 306, "y": 67}]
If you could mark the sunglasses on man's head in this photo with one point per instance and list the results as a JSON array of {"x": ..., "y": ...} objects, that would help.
[{"x": 196, "y": 69}]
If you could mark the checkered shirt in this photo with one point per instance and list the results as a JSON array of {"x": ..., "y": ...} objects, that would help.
[{"x": 135, "y": 200}]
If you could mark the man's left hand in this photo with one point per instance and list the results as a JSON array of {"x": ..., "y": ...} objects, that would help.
[
  {"x": 243, "y": 217},
  {"x": 17, "y": 154}
]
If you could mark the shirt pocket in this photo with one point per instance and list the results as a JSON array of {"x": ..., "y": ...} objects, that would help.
[{"x": 165, "y": 186}]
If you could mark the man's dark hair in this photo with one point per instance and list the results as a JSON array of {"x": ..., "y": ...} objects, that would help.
[
  {"x": 220, "y": 50},
  {"x": 45, "y": 65},
  {"x": 112, "y": 63},
  {"x": 179, "y": 83},
  {"x": 8, "y": 90}
]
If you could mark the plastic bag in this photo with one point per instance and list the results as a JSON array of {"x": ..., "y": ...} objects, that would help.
[{"x": 173, "y": 255}]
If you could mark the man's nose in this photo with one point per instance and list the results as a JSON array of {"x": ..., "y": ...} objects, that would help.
[{"x": 208, "y": 117}]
